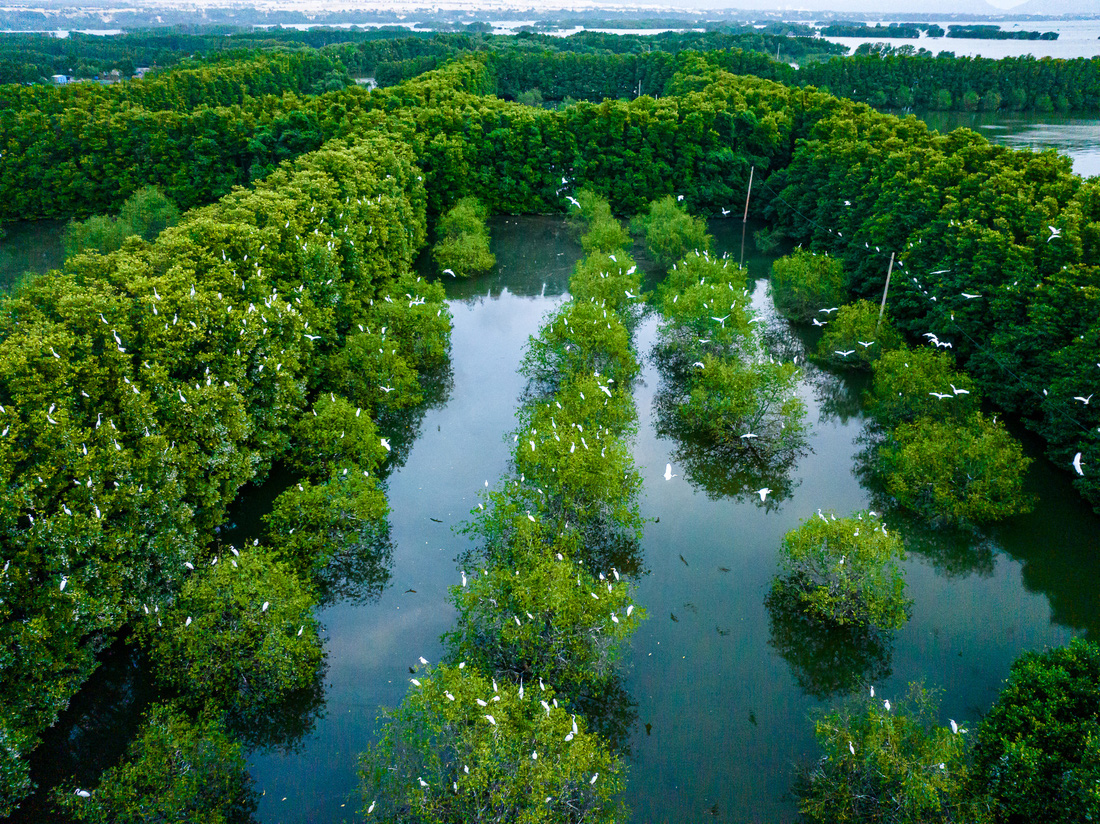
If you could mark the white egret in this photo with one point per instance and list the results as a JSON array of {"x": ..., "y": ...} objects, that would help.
[
  {"x": 668, "y": 472},
  {"x": 763, "y": 493}
]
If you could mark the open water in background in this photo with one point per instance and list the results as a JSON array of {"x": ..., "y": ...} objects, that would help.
[{"x": 1076, "y": 38}]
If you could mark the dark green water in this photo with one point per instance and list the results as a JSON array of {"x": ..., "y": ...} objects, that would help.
[
  {"x": 727, "y": 689},
  {"x": 29, "y": 246}
]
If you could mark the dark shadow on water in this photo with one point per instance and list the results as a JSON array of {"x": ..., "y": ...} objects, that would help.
[
  {"x": 284, "y": 724},
  {"x": 611, "y": 712},
  {"x": 92, "y": 734},
  {"x": 403, "y": 427},
  {"x": 840, "y": 395},
  {"x": 356, "y": 574},
  {"x": 953, "y": 551},
  {"x": 827, "y": 661},
  {"x": 1058, "y": 543}
]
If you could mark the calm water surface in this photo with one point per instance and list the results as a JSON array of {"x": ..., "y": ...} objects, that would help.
[
  {"x": 725, "y": 693},
  {"x": 1076, "y": 137},
  {"x": 1076, "y": 38}
]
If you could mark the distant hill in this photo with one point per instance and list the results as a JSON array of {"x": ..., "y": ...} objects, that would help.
[{"x": 1058, "y": 7}]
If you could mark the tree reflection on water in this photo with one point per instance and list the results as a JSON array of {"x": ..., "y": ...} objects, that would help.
[{"x": 827, "y": 660}]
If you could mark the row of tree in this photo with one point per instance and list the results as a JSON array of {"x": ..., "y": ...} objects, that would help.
[
  {"x": 140, "y": 390},
  {"x": 976, "y": 215},
  {"x": 524, "y": 718},
  {"x": 904, "y": 81}
]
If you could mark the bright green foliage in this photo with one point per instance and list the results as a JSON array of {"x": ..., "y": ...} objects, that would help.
[
  {"x": 603, "y": 232},
  {"x": 845, "y": 571},
  {"x": 730, "y": 400},
  {"x": 602, "y": 278},
  {"x": 972, "y": 470},
  {"x": 722, "y": 383},
  {"x": 580, "y": 457},
  {"x": 581, "y": 337},
  {"x": 145, "y": 214},
  {"x": 553, "y": 620},
  {"x": 463, "y": 245},
  {"x": 445, "y": 757},
  {"x": 1037, "y": 750},
  {"x": 175, "y": 770},
  {"x": 344, "y": 517},
  {"x": 336, "y": 434},
  {"x": 895, "y": 766},
  {"x": 855, "y": 328},
  {"x": 805, "y": 282},
  {"x": 670, "y": 232},
  {"x": 240, "y": 639},
  {"x": 905, "y": 380}
]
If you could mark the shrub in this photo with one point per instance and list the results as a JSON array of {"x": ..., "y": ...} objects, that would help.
[
  {"x": 1038, "y": 749},
  {"x": 845, "y": 571},
  {"x": 805, "y": 282},
  {"x": 889, "y": 766},
  {"x": 670, "y": 232},
  {"x": 905, "y": 380},
  {"x": 855, "y": 338},
  {"x": 463, "y": 244},
  {"x": 175, "y": 770},
  {"x": 516, "y": 756},
  {"x": 968, "y": 471},
  {"x": 240, "y": 639}
]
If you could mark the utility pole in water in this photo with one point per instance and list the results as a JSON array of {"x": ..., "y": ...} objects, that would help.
[
  {"x": 748, "y": 194},
  {"x": 882, "y": 306}
]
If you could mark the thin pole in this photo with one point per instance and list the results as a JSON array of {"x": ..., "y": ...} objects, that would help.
[
  {"x": 882, "y": 307},
  {"x": 748, "y": 194}
]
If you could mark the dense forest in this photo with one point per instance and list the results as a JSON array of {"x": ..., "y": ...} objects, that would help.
[{"x": 141, "y": 390}]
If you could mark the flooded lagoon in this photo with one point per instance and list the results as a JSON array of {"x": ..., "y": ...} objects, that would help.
[{"x": 724, "y": 692}]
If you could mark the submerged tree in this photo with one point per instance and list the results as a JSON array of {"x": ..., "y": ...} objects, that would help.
[
  {"x": 463, "y": 245},
  {"x": 845, "y": 571},
  {"x": 806, "y": 284},
  {"x": 462, "y": 747},
  {"x": 855, "y": 337},
  {"x": 241, "y": 641},
  {"x": 970, "y": 471},
  {"x": 670, "y": 232},
  {"x": 176, "y": 769},
  {"x": 890, "y": 762}
]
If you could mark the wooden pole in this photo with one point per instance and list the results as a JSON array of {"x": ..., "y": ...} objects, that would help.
[
  {"x": 882, "y": 307},
  {"x": 748, "y": 194}
]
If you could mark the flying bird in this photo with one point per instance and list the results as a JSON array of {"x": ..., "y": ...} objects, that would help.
[{"x": 668, "y": 472}]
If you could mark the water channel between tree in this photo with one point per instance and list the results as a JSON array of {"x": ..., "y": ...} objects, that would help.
[{"x": 724, "y": 692}]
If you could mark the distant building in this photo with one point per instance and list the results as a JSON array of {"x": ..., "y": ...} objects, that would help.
[
  {"x": 60, "y": 79},
  {"x": 140, "y": 71}
]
